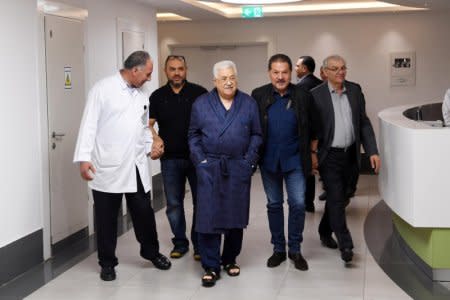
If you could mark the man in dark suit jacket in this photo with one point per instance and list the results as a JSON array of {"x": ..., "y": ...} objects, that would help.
[
  {"x": 304, "y": 68},
  {"x": 341, "y": 125}
]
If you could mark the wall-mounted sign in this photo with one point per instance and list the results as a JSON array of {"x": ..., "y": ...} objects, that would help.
[
  {"x": 249, "y": 12},
  {"x": 68, "y": 78},
  {"x": 403, "y": 68}
]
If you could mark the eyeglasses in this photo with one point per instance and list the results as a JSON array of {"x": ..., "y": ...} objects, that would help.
[{"x": 337, "y": 69}]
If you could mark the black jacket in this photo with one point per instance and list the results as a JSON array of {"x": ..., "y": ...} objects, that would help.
[
  {"x": 302, "y": 104},
  {"x": 309, "y": 82},
  {"x": 324, "y": 120}
]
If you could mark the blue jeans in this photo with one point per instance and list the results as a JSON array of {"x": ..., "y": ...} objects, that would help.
[
  {"x": 295, "y": 188},
  {"x": 174, "y": 173}
]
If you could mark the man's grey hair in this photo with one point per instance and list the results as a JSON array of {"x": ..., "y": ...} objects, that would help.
[
  {"x": 332, "y": 57},
  {"x": 136, "y": 59},
  {"x": 224, "y": 64}
]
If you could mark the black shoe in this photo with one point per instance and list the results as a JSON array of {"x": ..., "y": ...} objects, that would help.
[
  {"x": 276, "y": 259},
  {"x": 108, "y": 274},
  {"x": 161, "y": 262},
  {"x": 299, "y": 262},
  {"x": 328, "y": 242},
  {"x": 347, "y": 255},
  {"x": 323, "y": 196},
  {"x": 310, "y": 208},
  {"x": 178, "y": 252}
]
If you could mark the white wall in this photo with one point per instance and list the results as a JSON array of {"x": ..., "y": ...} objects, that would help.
[
  {"x": 24, "y": 175},
  {"x": 20, "y": 203},
  {"x": 364, "y": 40},
  {"x": 102, "y": 33}
]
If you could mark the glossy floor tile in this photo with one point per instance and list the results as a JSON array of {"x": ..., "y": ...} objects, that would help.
[{"x": 327, "y": 277}]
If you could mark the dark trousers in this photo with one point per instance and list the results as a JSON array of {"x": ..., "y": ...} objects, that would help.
[
  {"x": 335, "y": 171},
  {"x": 310, "y": 192},
  {"x": 209, "y": 246},
  {"x": 353, "y": 180},
  {"x": 106, "y": 210}
]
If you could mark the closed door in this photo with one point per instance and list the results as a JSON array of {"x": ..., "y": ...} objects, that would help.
[
  {"x": 251, "y": 62},
  {"x": 66, "y": 99}
]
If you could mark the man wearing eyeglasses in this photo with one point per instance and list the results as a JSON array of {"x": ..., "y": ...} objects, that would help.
[
  {"x": 170, "y": 106},
  {"x": 285, "y": 117},
  {"x": 341, "y": 126}
]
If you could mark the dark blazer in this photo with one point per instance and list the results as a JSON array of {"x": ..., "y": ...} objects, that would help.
[
  {"x": 324, "y": 123},
  {"x": 309, "y": 82},
  {"x": 301, "y": 103}
]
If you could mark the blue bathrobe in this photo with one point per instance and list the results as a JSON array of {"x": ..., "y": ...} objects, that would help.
[{"x": 229, "y": 142}]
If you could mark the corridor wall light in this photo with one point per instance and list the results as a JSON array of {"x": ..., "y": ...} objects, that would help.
[{"x": 259, "y": 1}]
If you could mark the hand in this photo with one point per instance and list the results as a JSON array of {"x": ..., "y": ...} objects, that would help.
[
  {"x": 87, "y": 170},
  {"x": 157, "y": 148},
  {"x": 375, "y": 162},
  {"x": 314, "y": 164}
]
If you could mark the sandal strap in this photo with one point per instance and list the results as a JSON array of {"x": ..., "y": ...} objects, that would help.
[{"x": 232, "y": 266}]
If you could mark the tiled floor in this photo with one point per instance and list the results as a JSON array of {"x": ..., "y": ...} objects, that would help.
[{"x": 327, "y": 277}]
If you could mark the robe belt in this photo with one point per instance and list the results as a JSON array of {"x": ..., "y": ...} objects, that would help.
[{"x": 223, "y": 162}]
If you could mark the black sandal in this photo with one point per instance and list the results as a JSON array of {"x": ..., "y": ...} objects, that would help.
[
  {"x": 230, "y": 267},
  {"x": 209, "y": 278}
]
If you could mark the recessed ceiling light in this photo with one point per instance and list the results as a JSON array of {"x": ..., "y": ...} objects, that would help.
[
  {"x": 259, "y": 1},
  {"x": 170, "y": 17}
]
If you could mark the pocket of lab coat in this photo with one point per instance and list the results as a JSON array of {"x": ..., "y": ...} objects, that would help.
[{"x": 110, "y": 155}]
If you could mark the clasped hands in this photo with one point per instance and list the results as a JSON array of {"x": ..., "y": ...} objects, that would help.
[{"x": 157, "y": 148}]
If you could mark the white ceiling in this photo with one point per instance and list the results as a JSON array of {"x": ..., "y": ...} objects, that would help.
[{"x": 189, "y": 9}]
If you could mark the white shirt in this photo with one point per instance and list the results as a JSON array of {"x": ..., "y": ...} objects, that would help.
[
  {"x": 446, "y": 108},
  {"x": 114, "y": 136}
]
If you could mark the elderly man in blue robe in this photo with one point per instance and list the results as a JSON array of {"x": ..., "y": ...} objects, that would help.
[{"x": 224, "y": 139}]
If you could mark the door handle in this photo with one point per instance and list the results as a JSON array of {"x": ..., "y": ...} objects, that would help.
[{"x": 57, "y": 135}]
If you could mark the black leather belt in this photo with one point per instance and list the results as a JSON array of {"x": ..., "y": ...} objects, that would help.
[{"x": 345, "y": 149}]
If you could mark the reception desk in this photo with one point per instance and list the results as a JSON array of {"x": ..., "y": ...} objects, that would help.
[{"x": 415, "y": 183}]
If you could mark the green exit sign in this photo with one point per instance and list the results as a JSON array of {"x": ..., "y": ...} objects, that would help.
[{"x": 249, "y": 12}]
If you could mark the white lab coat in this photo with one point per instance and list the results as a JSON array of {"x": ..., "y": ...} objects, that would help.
[
  {"x": 446, "y": 108},
  {"x": 114, "y": 136}
]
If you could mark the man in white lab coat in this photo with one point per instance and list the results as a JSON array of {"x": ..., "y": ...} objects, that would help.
[{"x": 112, "y": 147}]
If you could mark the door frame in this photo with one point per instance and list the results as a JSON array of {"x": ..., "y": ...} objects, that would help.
[{"x": 44, "y": 138}]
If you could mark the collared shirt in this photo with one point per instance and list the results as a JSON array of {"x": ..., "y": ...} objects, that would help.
[
  {"x": 173, "y": 113},
  {"x": 114, "y": 136},
  {"x": 344, "y": 134},
  {"x": 281, "y": 151}
]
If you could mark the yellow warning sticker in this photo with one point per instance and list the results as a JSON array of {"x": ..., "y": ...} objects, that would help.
[{"x": 67, "y": 78}]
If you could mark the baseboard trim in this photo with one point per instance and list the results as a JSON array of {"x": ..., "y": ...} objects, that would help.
[
  {"x": 70, "y": 240},
  {"x": 21, "y": 255}
]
